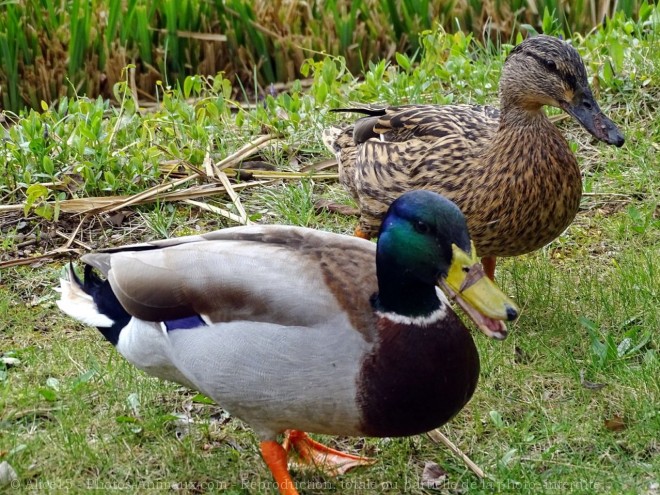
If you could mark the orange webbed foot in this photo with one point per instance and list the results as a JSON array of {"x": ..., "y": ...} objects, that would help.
[
  {"x": 330, "y": 461},
  {"x": 361, "y": 234}
]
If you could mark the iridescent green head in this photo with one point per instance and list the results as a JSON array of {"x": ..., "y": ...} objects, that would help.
[
  {"x": 417, "y": 235},
  {"x": 424, "y": 242}
]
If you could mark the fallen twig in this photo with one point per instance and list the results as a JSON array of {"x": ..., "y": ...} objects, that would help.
[
  {"x": 215, "y": 209},
  {"x": 137, "y": 198},
  {"x": 438, "y": 437},
  {"x": 71, "y": 238},
  {"x": 245, "y": 151},
  {"x": 55, "y": 253},
  {"x": 234, "y": 197},
  {"x": 100, "y": 204}
]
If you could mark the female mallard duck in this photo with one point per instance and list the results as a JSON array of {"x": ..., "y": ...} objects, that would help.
[
  {"x": 510, "y": 171},
  {"x": 295, "y": 329}
]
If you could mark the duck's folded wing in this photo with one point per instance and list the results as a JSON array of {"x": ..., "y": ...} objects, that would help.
[
  {"x": 428, "y": 122},
  {"x": 284, "y": 275}
]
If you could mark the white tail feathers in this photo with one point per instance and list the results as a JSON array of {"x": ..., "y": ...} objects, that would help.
[{"x": 75, "y": 302}]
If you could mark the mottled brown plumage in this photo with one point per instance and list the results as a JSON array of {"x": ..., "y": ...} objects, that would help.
[{"x": 510, "y": 171}]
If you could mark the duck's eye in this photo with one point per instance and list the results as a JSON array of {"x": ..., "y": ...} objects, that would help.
[
  {"x": 421, "y": 227},
  {"x": 550, "y": 65},
  {"x": 466, "y": 269}
]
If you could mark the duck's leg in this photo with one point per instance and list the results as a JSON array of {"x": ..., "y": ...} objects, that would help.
[
  {"x": 489, "y": 266},
  {"x": 360, "y": 233},
  {"x": 332, "y": 462},
  {"x": 275, "y": 457}
]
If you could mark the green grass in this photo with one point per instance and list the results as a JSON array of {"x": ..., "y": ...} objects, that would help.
[{"x": 74, "y": 416}]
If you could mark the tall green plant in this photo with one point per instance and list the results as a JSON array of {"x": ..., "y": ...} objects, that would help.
[
  {"x": 50, "y": 48},
  {"x": 80, "y": 14}
]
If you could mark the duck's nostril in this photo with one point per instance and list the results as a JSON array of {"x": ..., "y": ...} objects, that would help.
[{"x": 511, "y": 313}]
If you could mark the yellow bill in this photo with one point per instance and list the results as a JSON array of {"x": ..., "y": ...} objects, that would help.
[{"x": 467, "y": 284}]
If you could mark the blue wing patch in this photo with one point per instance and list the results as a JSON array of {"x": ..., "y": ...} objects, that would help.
[{"x": 186, "y": 323}]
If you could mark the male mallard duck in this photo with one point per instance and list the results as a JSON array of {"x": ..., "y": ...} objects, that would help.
[
  {"x": 510, "y": 171},
  {"x": 292, "y": 329}
]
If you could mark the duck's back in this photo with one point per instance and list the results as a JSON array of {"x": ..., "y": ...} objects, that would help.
[
  {"x": 472, "y": 123},
  {"x": 401, "y": 148}
]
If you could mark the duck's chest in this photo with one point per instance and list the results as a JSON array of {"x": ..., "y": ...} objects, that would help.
[
  {"x": 416, "y": 378},
  {"x": 531, "y": 195}
]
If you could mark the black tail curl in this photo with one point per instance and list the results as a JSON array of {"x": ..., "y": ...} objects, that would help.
[
  {"x": 371, "y": 111},
  {"x": 106, "y": 302}
]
